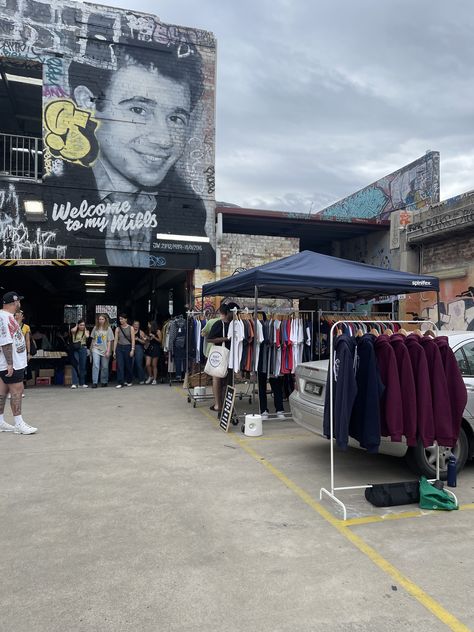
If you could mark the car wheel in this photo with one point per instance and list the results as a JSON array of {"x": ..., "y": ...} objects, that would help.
[{"x": 423, "y": 460}]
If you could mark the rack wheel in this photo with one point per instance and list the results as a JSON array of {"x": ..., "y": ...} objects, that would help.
[
  {"x": 235, "y": 422},
  {"x": 194, "y": 405},
  {"x": 250, "y": 400},
  {"x": 242, "y": 428},
  {"x": 240, "y": 397},
  {"x": 189, "y": 400}
]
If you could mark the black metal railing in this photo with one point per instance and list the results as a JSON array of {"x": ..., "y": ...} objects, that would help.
[{"x": 21, "y": 156}]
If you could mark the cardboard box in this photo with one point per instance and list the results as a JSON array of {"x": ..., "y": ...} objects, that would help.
[
  {"x": 68, "y": 370},
  {"x": 32, "y": 381},
  {"x": 43, "y": 381},
  {"x": 67, "y": 380},
  {"x": 46, "y": 373}
]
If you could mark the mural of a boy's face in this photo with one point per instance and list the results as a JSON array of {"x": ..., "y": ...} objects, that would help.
[{"x": 143, "y": 124}]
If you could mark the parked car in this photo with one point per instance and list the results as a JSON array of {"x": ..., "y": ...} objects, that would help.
[{"x": 307, "y": 407}]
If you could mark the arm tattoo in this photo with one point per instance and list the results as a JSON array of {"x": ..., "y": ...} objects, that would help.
[
  {"x": 8, "y": 353},
  {"x": 3, "y": 399}
]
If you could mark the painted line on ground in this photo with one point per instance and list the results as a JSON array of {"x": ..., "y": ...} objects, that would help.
[
  {"x": 400, "y": 516},
  {"x": 443, "y": 615}
]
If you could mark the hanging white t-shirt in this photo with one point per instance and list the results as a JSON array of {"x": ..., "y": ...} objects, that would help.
[
  {"x": 236, "y": 336},
  {"x": 260, "y": 339},
  {"x": 10, "y": 333}
]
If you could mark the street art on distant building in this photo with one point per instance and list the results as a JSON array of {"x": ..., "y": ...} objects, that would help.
[
  {"x": 413, "y": 186},
  {"x": 128, "y": 118},
  {"x": 456, "y": 307}
]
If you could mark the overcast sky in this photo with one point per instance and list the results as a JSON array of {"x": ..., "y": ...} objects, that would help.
[{"x": 316, "y": 99}]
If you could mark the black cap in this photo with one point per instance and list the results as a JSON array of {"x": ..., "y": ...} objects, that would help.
[{"x": 11, "y": 297}]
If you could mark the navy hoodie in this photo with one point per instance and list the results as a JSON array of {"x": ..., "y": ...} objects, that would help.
[
  {"x": 423, "y": 401},
  {"x": 344, "y": 391},
  {"x": 365, "y": 419},
  {"x": 407, "y": 387},
  {"x": 456, "y": 387}
]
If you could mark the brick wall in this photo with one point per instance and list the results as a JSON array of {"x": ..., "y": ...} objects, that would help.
[
  {"x": 453, "y": 252},
  {"x": 247, "y": 251},
  {"x": 128, "y": 107}
]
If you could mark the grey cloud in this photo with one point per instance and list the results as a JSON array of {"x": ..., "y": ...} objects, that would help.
[{"x": 316, "y": 100}]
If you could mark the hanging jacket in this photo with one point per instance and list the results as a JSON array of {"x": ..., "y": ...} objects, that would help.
[
  {"x": 456, "y": 387},
  {"x": 365, "y": 418},
  {"x": 344, "y": 391},
  {"x": 439, "y": 393},
  {"x": 391, "y": 410},
  {"x": 407, "y": 387},
  {"x": 423, "y": 402}
]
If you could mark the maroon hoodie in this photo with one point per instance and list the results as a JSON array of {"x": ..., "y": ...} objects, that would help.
[
  {"x": 442, "y": 416},
  {"x": 391, "y": 401},
  {"x": 407, "y": 387},
  {"x": 456, "y": 387},
  {"x": 424, "y": 405}
]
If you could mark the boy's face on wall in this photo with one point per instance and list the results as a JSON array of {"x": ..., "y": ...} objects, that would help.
[{"x": 143, "y": 125}]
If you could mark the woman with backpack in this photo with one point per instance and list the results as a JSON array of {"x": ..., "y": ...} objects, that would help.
[
  {"x": 124, "y": 350},
  {"x": 102, "y": 338},
  {"x": 153, "y": 352},
  {"x": 79, "y": 336}
]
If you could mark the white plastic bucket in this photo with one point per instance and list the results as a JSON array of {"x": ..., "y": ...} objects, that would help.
[{"x": 253, "y": 426}]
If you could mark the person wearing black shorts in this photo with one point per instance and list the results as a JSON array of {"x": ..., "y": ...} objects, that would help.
[
  {"x": 153, "y": 352},
  {"x": 13, "y": 362}
]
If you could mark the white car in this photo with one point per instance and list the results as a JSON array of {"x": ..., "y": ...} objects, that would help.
[{"x": 307, "y": 407}]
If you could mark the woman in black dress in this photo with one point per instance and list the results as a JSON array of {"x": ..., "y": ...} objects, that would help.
[{"x": 152, "y": 352}]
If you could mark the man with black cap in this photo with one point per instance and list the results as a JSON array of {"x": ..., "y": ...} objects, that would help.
[{"x": 13, "y": 361}]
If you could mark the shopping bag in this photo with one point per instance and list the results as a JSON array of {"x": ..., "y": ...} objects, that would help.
[
  {"x": 217, "y": 361},
  {"x": 393, "y": 494},
  {"x": 433, "y": 498}
]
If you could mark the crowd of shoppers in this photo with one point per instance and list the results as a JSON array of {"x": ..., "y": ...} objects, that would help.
[{"x": 131, "y": 351}]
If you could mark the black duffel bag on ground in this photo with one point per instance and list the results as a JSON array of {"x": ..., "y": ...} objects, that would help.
[{"x": 393, "y": 494}]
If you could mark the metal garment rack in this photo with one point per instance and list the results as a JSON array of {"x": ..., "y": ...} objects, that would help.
[
  {"x": 249, "y": 392},
  {"x": 193, "y": 397},
  {"x": 176, "y": 380},
  {"x": 331, "y": 494},
  {"x": 365, "y": 317}
]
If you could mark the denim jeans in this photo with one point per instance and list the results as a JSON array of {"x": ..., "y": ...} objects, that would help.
[
  {"x": 138, "y": 363},
  {"x": 80, "y": 357},
  {"x": 100, "y": 367},
  {"x": 124, "y": 364}
]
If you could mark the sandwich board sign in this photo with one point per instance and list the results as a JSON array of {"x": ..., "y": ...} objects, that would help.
[{"x": 227, "y": 409}]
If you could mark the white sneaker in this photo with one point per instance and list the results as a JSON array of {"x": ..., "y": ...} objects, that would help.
[
  {"x": 9, "y": 396},
  {"x": 74, "y": 386},
  {"x": 149, "y": 380},
  {"x": 264, "y": 415},
  {"x": 154, "y": 383},
  {"x": 85, "y": 386},
  {"x": 128, "y": 384},
  {"x": 4, "y": 427},
  {"x": 24, "y": 428},
  {"x": 141, "y": 383},
  {"x": 119, "y": 386},
  {"x": 280, "y": 414}
]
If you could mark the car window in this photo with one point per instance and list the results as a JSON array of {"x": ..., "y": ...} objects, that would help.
[{"x": 465, "y": 359}]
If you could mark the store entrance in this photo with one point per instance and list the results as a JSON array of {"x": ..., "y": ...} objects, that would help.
[{"x": 53, "y": 295}]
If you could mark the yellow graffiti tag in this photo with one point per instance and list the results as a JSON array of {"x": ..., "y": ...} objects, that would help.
[{"x": 71, "y": 131}]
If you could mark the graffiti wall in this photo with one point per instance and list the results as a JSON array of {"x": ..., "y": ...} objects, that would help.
[
  {"x": 128, "y": 153},
  {"x": 413, "y": 186}
]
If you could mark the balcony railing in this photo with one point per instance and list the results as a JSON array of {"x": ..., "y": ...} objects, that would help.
[{"x": 21, "y": 156}]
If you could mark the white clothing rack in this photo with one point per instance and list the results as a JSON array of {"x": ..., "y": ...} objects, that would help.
[
  {"x": 329, "y": 312},
  {"x": 192, "y": 396},
  {"x": 331, "y": 494}
]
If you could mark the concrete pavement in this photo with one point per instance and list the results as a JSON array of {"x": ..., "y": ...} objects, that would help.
[{"x": 130, "y": 511}]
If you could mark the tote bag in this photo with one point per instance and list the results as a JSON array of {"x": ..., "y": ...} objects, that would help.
[{"x": 218, "y": 359}]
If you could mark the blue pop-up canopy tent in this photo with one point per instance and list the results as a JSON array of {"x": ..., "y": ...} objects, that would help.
[{"x": 312, "y": 275}]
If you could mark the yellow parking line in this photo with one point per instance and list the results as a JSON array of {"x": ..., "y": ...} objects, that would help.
[
  {"x": 413, "y": 589},
  {"x": 400, "y": 516}
]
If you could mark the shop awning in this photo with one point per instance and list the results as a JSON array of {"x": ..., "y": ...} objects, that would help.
[{"x": 312, "y": 275}]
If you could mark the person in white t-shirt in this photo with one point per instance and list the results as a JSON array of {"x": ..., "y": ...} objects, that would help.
[{"x": 13, "y": 361}]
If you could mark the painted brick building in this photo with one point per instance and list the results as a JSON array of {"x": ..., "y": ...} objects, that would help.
[{"x": 107, "y": 141}]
